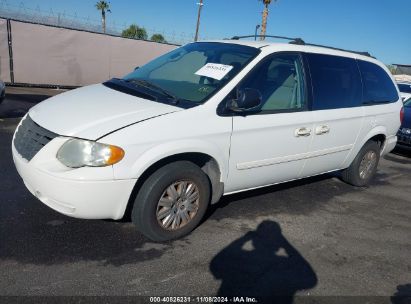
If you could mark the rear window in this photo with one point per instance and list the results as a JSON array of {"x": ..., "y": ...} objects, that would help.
[
  {"x": 378, "y": 86},
  {"x": 336, "y": 82}
]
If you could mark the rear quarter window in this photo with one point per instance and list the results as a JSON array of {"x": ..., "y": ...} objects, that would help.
[
  {"x": 378, "y": 86},
  {"x": 336, "y": 82}
]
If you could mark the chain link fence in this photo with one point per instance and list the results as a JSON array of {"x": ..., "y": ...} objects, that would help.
[{"x": 19, "y": 11}]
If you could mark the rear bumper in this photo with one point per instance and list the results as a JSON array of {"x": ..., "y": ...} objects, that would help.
[{"x": 73, "y": 193}]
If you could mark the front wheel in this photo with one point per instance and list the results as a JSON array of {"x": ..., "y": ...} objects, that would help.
[
  {"x": 172, "y": 201},
  {"x": 363, "y": 168}
]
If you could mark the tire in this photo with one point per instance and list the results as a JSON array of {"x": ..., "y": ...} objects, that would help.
[
  {"x": 368, "y": 159},
  {"x": 151, "y": 216}
]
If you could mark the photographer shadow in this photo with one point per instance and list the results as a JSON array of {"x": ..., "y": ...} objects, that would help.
[{"x": 262, "y": 264}]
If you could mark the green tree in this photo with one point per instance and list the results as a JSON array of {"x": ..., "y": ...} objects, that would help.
[
  {"x": 135, "y": 32},
  {"x": 158, "y": 38},
  {"x": 265, "y": 17},
  {"x": 104, "y": 7}
]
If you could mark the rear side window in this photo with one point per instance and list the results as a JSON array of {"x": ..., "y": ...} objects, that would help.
[
  {"x": 378, "y": 86},
  {"x": 336, "y": 82}
]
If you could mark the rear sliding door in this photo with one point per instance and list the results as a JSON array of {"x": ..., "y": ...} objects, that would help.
[{"x": 337, "y": 112}]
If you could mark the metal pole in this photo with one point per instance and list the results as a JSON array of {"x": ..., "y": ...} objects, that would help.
[
  {"x": 10, "y": 44},
  {"x": 200, "y": 6},
  {"x": 256, "y": 29}
]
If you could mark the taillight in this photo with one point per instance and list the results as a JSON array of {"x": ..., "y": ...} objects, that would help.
[{"x": 402, "y": 114}]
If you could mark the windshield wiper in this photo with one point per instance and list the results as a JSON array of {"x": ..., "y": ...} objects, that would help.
[{"x": 156, "y": 87}]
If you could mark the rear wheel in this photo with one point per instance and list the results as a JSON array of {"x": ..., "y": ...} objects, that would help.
[
  {"x": 172, "y": 201},
  {"x": 363, "y": 168}
]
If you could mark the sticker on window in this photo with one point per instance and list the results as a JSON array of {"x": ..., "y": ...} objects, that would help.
[{"x": 214, "y": 70}]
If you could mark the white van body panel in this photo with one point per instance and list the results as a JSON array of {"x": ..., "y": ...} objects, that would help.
[
  {"x": 264, "y": 149},
  {"x": 188, "y": 131},
  {"x": 93, "y": 111},
  {"x": 378, "y": 120},
  {"x": 335, "y": 134}
]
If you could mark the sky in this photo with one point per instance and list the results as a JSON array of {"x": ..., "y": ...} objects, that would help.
[{"x": 381, "y": 27}]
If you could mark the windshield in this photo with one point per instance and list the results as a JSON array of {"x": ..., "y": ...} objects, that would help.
[
  {"x": 194, "y": 72},
  {"x": 408, "y": 103},
  {"x": 405, "y": 88}
]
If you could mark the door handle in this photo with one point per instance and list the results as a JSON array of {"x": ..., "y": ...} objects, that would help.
[
  {"x": 303, "y": 132},
  {"x": 320, "y": 130}
]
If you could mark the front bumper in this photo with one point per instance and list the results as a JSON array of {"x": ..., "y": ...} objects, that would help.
[{"x": 89, "y": 193}]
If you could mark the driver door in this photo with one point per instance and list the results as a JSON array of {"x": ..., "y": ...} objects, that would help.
[{"x": 271, "y": 146}]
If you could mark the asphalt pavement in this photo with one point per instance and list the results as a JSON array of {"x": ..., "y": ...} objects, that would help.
[
  {"x": 19, "y": 100},
  {"x": 314, "y": 237}
]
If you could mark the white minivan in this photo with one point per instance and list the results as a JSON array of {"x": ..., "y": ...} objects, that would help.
[{"x": 205, "y": 120}]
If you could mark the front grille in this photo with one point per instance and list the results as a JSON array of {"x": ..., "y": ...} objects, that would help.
[{"x": 30, "y": 138}]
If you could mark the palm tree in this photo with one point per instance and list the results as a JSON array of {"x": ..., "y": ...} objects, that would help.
[
  {"x": 104, "y": 7},
  {"x": 265, "y": 17}
]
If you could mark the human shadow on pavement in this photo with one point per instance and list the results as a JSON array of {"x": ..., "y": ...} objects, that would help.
[
  {"x": 402, "y": 295},
  {"x": 262, "y": 264}
]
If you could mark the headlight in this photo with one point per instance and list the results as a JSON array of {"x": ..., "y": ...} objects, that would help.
[{"x": 76, "y": 153}]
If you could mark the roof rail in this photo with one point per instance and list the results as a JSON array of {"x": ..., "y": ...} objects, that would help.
[
  {"x": 300, "y": 41},
  {"x": 292, "y": 40},
  {"x": 338, "y": 49}
]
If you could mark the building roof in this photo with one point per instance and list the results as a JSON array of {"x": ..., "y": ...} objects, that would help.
[{"x": 403, "y": 69}]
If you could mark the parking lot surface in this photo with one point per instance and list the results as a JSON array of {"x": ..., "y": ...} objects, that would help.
[
  {"x": 317, "y": 237},
  {"x": 19, "y": 100}
]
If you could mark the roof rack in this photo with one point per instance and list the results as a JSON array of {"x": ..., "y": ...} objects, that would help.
[
  {"x": 292, "y": 40},
  {"x": 300, "y": 41},
  {"x": 338, "y": 49}
]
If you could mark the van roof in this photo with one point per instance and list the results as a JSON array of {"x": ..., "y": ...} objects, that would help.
[{"x": 310, "y": 48}]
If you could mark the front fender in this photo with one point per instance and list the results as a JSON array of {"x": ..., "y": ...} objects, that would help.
[{"x": 161, "y": 151}]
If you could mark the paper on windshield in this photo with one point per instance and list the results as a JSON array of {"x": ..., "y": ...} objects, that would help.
[{"x": 214, "y": 70}]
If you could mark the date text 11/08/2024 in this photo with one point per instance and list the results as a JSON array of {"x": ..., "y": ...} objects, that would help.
[{"x": 203, "y": 300}]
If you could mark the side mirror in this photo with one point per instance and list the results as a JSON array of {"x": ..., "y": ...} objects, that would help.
[
  {"x": 136, "y": 68},
  {"x": 248, "y": 100}
]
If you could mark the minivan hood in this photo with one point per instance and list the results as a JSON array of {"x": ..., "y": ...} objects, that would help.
[{"x": 93, "y": 111}]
